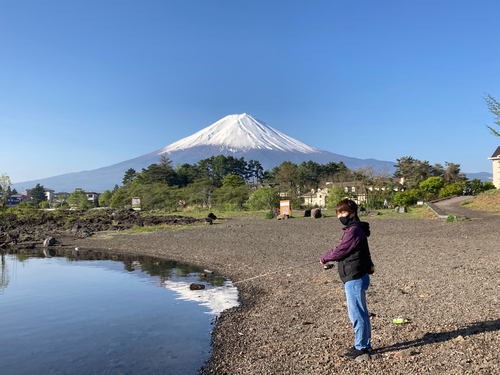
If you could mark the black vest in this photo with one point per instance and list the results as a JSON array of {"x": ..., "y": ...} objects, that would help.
[{"x": 358, "y": 262}]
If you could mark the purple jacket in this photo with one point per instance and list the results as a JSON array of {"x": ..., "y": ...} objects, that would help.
[{"x": 353, "y": 235}]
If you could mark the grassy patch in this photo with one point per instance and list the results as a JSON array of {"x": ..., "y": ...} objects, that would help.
[
  {"x": 137, "y": 229},
  {"x": 414, "y": 212},
  {"x": 488, "y": 201}
]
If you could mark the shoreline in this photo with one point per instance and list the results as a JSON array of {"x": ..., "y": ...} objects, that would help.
[{"x": 440, "y": 275}]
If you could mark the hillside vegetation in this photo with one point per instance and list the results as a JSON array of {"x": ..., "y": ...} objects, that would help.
[{"x": 488, "y": 201}]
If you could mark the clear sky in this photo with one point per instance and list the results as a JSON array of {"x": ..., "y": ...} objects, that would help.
[{"x": 87, "y": 84}]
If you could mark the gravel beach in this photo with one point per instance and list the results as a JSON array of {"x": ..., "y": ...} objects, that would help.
[{"x": 443, "y": 277}]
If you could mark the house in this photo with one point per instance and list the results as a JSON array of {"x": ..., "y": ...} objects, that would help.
[
  {"x": 316, "y": 197},
  {"x": 15, "y": 199},
  {"x": 355, "y": 189},
  {"x": 496, "y": 167},
  {"x": 49, "y": 193},
  {"x": 91, "y": 196}
]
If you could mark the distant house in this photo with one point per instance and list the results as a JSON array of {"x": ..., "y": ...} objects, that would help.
[
  {"x": 352, "y": 188},
  {"x": 91, "y": 196},
  {"x": 316, "y": 198},
  {"x": 49, "y": 193},
  {"x": 496, "y": 167},
  {"x": 15, "y": 199}
]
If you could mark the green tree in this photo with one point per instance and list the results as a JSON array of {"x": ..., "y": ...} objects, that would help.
[
  {"x": 4, "y": 182},
  {"x": 44, "y": 204},
  {"x": 105, "y": 198},
  {"x": 432, "y": 185},
  {"x": 264, "y": 199},
  {"x": 37, "y": 195},
  {"x": 407, "y": 197},
  {"x": 129, "y": 176},
  {"x": 413, "y": 171},
  {"x": 231, "y": 197},
  {"x": 232, "y": 181},
  {"x": 79, "y": 199},
  {"x": 120, "y": 198},
  {"x": 451, "y": 189},
  {"x": 4, "y": 187},
  {"x": 335, "y": 195},
  {"x": 452, "y": 173},
  {"x": 493, "y": 107}
]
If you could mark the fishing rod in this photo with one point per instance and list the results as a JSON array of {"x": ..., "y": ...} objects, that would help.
[{"x": 326, "y": 266}]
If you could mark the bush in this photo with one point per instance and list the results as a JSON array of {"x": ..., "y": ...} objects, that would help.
[
  {"x": 269, "y": 216},
  {"x": 407, "y": 198},
  {"x": 452, "y": 189},
  {"x": 264, "y": 198}
]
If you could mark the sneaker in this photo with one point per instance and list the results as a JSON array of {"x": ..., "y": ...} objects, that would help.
[{"x": 353, "y": 353}]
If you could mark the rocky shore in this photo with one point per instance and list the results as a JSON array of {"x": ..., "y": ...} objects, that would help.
[{"x": 442, "y": 277}]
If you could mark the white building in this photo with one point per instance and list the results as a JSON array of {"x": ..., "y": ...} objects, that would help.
[{"x": 496, "y": 167}]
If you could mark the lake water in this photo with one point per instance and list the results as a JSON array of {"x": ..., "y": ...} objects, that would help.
[{"x": 100, "y": 313}]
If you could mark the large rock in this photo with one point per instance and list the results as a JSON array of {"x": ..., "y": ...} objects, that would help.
[
  {"x": 307, "y": 213},
  {"x": 402, "y": 209},
  {"x": 316, "y": 213},
  {"x": 49, "y": 241}
]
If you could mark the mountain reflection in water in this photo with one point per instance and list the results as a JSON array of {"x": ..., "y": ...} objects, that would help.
[{"x": 80, "y": 312}]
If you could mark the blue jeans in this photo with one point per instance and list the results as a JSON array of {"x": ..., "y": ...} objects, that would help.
[{"x": 358, "y": 312}]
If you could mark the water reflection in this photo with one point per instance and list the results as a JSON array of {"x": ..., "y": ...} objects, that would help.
[{"x": 81, "y": 312}]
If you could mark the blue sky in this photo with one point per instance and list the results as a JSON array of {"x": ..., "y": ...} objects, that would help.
[{"x": 85, "y": 85}]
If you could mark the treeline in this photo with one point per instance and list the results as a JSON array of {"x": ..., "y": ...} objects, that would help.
[
  {"x": 423, "y": 181},
  {"x": 223, "y": 181}
]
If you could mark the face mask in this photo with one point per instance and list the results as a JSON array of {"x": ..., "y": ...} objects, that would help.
[{"x": 345, "y": 220}]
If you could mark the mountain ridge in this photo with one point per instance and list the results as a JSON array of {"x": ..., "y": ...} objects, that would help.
[{"x": 237, "y": 135}]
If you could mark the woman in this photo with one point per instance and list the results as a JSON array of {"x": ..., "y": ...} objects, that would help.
[{"x": 354, "y": 265}]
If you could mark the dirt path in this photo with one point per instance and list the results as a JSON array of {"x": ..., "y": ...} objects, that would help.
[
  {"x": 444, "y": 277},
  {"x": 453, "y": 207}
]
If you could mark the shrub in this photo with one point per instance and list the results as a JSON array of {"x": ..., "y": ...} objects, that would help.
[
  {"x": 269, "y": 216},
  {"x": 406, "y": 198},
  {"x": 452, "y": 189},
  {"x": 264, "y": 198}
]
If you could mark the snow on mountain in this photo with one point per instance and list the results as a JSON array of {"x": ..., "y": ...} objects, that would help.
[{"x": 240, "y": 133}]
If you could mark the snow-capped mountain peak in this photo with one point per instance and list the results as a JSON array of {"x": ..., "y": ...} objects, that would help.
[{"x": 241, "y": 133}]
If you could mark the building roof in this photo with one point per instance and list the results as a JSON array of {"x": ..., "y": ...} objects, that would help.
[{"x": 496, "y": 154}]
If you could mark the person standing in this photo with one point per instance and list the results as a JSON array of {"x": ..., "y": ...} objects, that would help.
[{"x": 354, "y": 265}]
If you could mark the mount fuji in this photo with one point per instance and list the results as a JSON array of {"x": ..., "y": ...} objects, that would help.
[{"x": 236, "y": 135}]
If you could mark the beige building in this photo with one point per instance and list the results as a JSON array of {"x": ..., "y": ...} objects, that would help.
[{"x": 496, "y": 167}]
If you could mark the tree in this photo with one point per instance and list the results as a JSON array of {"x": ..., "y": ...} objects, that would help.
[
  {"x": 335, "y": 195},
  {"x": 5, "y": 187},
  {"x": 407, "y": 197},
  {"x": 452, "y": 173},
  {"x": 129, "y": 176},
  {"x": 264, "y": 199},
  {"x": 233, "y": 181},
  {"x": 412, "y": 170},
  {"x": 165, "y": 161},
  {"x": 451, "y": 189},
  {"x": 37, "y": 195},
  {"x": 432, "y": 185},
  {"x": 4, "y": 182},
  {"x": 493, "y": 107},
  {"x": 105, "y": 198},
  {"x": 79, "y": 199}
]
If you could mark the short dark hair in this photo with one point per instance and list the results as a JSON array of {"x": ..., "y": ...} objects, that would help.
[{"x": 347, "y": 205}]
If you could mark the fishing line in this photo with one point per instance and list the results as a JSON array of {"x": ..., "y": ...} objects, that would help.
[{"x": 270, "y": 273}]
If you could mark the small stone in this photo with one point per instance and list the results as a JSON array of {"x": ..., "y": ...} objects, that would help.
[
  {"x": 194, "y": 286},
  {"x": 363, "y": 357}
]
